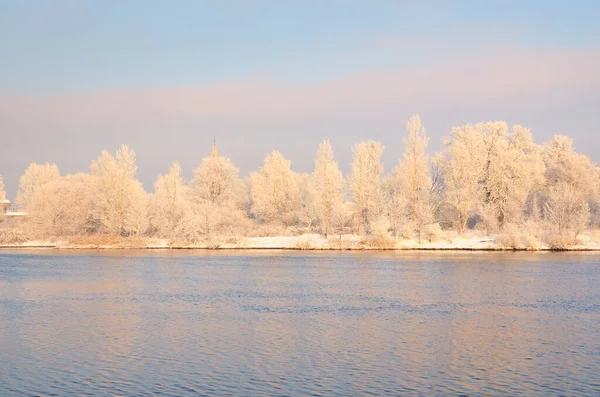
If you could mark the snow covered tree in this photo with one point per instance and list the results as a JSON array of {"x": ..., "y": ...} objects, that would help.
[
  {"x": 120, "y": 202},
  {"x": 214, "y": 181},
  {"x": 168, "y": 204},
  {"x": 275, "y": 193},
  {"x": 414, "y": 167},
  {"x": 413, "y": 174},
  {"x": 396, "y": 204},
  {"x": 567, "y": 211},
  {"x": 365, "y": 182},
  {"x": 564, "y": 165},
  {"x": 328, "y": 182},
  {"x": 572, "y": 184},
  {"x": 213, "y": 192},
  {"x": 341, "y": 218},
  {"x": 35, "y": 176},
  {"x": 66, "y": 210},
  {"x": 306, "y": 214},
  {"x": 462, "y": 170},
  {"x": 491, "y": 171},
  {"x": 515, "y": 170},
  {"x": 136, "y": 221}
]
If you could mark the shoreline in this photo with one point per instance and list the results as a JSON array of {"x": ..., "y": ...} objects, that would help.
[
  {"x": 199, "y": 248},
  {"x": 472, "y": 242}
]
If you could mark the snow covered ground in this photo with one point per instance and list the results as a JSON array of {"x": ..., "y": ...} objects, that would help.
[{"x": 450, "y": 241}]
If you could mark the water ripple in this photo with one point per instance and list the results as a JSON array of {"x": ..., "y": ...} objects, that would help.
[{"x": 314, "y": 324}]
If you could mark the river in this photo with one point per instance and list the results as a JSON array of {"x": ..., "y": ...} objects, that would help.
[{"x": 276, "y": 323}]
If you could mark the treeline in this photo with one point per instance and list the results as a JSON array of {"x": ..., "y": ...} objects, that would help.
[{"x": 488, "y": 177}]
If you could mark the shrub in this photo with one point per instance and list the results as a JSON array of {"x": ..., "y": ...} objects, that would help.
[
  {"x": 304, "y": 245},
  {"x": 518, "y": 236},
  {"x": 12, "y": 236},
  {"x": 557, "y": 241},
  {"x": 433, "y": 232},
  {"x": 379, "y": 242},
  {"x": 407, "y": 232},
  {"x": 380, "y": 227}
]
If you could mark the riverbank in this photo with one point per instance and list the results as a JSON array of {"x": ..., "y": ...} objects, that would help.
[{"x": 453, "y": 242}]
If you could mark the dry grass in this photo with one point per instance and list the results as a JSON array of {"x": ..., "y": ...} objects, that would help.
[
  {"x": 378, "y": 242},
  {"x": 342, "y": 244},
  {"x": 304, "y": 245},
  {"x": 561, "y": 242},
  {"x": 109, "y": 241},
  {"x": 518, "y": 237}
]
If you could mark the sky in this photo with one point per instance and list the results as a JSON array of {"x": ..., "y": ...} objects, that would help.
[{"x": 166, "y": 77}]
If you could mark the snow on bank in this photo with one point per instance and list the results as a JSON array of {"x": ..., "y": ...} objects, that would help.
[{"x": 451, "y": 241}]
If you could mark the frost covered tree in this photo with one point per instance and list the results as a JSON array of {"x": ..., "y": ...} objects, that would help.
[
  {"x": 275, "y": 193},
  {"x": 396, "y": 205},
  {"x": 120, "y": 202},
  {"x": 30, "y": 184},
  {"x": 516, "y": 169},
  {"x": 169, "y": 202},
  {"x": 365, "y": 182},
  {"x": 341, "y": 218},
  {"x": 568, "y": 212},
  {"x": 329, "y": 183},
  {"x": 66, "y": 210},
  {"x": 414, "y": 166},
  {"x": 306, "y": 214},
  {"x": 491, "y": 171},
  {"x": 565, "y": 165},
  {"x": 214, "y": 188},
  {"x": 462, "y": 170},
  {"x": 413, "y": 175},
  {"x": 572, "y": 183},
  {"x": 214, "y": 181}
]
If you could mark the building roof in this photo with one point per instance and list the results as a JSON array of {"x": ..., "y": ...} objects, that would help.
[{"x": 15, "y": 214}]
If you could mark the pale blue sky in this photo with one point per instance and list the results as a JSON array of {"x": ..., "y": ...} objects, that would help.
[{"x": 229, "y": 52}]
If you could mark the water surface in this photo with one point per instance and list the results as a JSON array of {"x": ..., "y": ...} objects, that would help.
[{"x": 142, "y": 323}]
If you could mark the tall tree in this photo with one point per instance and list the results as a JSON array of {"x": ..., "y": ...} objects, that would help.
[
  {"x": 119, "y": 199},
  {"x": 168, "y": 205},
  {"x": 413, "y": 173},
  {"x": 214, "y": 181},
  {"x": 365, "y": 182},
  {"x": 66, "y": 210},
  {"x": 328, "y": 182},
  {"x": 275, "y": 193},
  {"x": 35, "y": 176},
  {"x": 567, "y": 211},
  {"x": 491, "y": 171},
  {"x": 213, "y": 191}
]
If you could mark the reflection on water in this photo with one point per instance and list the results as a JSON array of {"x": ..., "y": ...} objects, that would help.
[{"x": 277, "y": 323}]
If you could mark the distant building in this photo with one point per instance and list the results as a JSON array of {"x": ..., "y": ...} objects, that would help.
[{"x": 4, "y": 204}]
